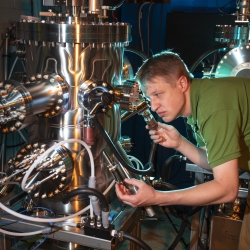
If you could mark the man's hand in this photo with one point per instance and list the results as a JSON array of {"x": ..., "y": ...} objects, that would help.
[
  {"x": 166, "y": 136},
  {"x": 145, "y": 195}
]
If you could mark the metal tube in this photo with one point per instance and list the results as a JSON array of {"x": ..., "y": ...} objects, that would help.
[
  {"x": 6, "y": 57},
  {"x": 94, "y": 6},
  {"x": 3, "y": 152},
  {"x": 244, "y": 10}
]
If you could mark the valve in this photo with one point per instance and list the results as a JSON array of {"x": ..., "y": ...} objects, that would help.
[{"x": 96, "y": 97}]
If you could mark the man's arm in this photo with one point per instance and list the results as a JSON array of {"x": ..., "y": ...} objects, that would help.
[
  {"x": 195, "y": 154},
  {"x": 224, "y": 188},
  {"x": 167, "y": 136}
]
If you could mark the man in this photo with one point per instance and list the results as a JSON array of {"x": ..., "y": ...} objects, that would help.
[{"x": 219, "y": 110}]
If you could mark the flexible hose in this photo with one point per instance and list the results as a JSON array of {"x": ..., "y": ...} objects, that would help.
[
  {"x": 37, "y": 161},
  {"x": 137, "y": 161},
  {"x": 45, "y": 220},
  {"x": 176, "y": 230},
  {"x": 26, "y": 233},
  {"x": 117, "y": 154},
  {"x": 127, "y": 236},
  {"x": 207, "y": 53},
  {"x": 35, "y": 219},
  {"x": 166, "y": 185},
  {"x": 169, "y": 161},
  {"x": 139, "y": 24},
  {"x": 179, "y": 235},
  {"x": 88, "y": 191},
  {"x": 175, "y": 211},
  {"x": 136, "y": 240}
]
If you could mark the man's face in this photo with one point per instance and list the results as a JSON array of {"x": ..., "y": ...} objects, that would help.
[{"x": 167, "y": 100}]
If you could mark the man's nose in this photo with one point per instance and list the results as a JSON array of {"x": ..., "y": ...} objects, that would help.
[{"x": 153, "y": 105}]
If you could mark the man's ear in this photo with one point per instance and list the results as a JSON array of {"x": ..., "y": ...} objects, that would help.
[{"x": 183, "y": 83}]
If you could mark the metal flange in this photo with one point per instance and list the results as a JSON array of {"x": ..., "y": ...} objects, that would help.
[{"x": 235, "y": 63}]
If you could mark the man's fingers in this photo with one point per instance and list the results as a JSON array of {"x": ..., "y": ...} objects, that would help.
[
  {"x": 152, "y": 132},
  {"x": 162, "y": 125},
  {"x": 134, "y": 182}
]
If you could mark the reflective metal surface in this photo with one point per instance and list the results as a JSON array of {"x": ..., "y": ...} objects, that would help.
[
  {"x": 235, "y": 63},
  {"x": 65, "y": 53}
]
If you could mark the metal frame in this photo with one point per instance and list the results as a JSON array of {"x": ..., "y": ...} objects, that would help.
[
  {"x": 197, "y": 218},
  {"x": 128, "y": 220}
]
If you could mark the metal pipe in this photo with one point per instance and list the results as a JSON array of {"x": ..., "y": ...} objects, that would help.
[
  {"x": 3, "y": 152},
  {"x": 94, "y": 6},
  {"x": 6, "y": 57},
  {"x": 244, "y": 10}
]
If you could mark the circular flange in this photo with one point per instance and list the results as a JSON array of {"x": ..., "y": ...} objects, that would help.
[
  {"x": 235, "y": 63},
  {"x": 59, "y": 159},
  {"x": 15, "y": 106},
  {"x": 74, "y": 33}
]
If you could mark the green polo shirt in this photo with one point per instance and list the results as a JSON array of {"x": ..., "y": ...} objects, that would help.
[{"x": 221, "y": 118}]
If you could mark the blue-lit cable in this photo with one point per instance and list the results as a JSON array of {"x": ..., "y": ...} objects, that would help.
[
  {"x": 15, "y": 242},
  {"x": 42, "y": 231},
  {"x": 9, "y": 223},
  {"x": 45, "y": 237}
]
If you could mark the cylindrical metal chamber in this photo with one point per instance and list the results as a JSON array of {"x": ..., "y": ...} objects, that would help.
[{"x": 78, "y": 52}]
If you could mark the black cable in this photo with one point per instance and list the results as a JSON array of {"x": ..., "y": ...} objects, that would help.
[
  {"x": 176, "y": 230},
  {"x": 118, "y": 5},
  {"x": 179, "y": 235},
  {"x": 167, "y": 186},
  {"x": 88, "y": 191},
  {"x": 136, "y": 240},
  {"x": 6, "y": 35},
  {"x": 219, "y": 8},
  {"x": 149, "y": 26},
  {"x": 175, "y": 173},
  {"x": 117, "y": 154},
  {"x": 194, "y": 211},
  {"x": 167, "y": 163},
  {"x": 175, "y": 211},
  {"x": 160, "y": 26}
]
